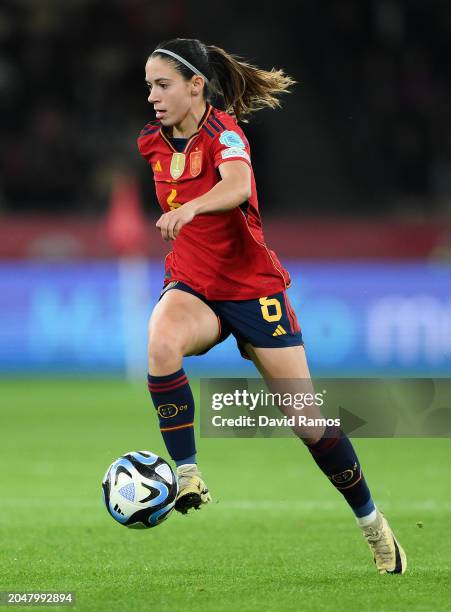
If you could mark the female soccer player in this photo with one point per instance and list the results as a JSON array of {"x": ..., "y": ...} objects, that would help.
[{"x": 220, "y": 277}]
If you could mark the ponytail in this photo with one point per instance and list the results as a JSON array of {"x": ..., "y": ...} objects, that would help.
[{"x": 245, "y": 88}]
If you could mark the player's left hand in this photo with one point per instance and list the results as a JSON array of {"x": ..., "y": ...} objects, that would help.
[{"x": 171, "y": 223}]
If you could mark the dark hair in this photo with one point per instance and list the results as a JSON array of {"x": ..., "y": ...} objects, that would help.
[{"x": 243, "y": 88}]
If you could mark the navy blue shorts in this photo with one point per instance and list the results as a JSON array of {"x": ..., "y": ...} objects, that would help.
[{"x": 267, "y": 322}]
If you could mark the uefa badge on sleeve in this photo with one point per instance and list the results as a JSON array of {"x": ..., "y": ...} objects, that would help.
[{"x": 229, "y": 138}]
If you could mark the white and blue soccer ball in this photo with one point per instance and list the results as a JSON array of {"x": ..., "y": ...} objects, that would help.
[{"x": 140, "y": 489}]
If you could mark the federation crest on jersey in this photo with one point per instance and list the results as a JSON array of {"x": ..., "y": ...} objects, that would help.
[
  {"x": 195, "y": 163},
  {"x": 177, "y": 165},
  {"x": 230, "y": 138}
]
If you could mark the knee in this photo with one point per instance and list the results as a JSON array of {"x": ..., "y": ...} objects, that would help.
[{"x": 165, "y": 354}]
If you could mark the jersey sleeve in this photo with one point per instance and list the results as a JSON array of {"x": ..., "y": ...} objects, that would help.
[
  {"x": 231, "y": 145},
  {"x": 146, "y": 138}
]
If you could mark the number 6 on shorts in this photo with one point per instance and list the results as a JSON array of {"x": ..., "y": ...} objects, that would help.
[{"x": 265, "y": 304}]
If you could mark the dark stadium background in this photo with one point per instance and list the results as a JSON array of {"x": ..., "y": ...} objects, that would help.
[{"x": 366, "y": 132}]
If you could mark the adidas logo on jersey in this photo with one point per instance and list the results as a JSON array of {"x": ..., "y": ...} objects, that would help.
[
  {"x": 279, "y": 331},
  {"x": 157, "y": 167}
]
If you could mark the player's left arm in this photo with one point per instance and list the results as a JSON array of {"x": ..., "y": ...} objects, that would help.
[{"x": 233, "y": 189}]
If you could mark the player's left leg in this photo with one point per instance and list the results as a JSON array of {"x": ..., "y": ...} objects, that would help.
[{"x": 286, "y": 370}]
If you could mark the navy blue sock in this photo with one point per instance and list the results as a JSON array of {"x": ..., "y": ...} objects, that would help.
[
  {"x": 174, "y": 403},
  {"x": 336, "y": 457}
]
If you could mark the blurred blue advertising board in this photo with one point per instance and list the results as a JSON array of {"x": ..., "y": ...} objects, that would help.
[{"x": 357, "y": 318}]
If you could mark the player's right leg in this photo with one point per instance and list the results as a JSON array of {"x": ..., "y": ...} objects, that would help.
[{"x": 181, "y": 324}]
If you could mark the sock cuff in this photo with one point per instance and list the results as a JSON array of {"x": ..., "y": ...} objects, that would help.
[
  {"x": 364, "y": 521},
  {"x": 166, "y": 377},
  {"x": 331, "y": 437},
  {"x": 191, "y": 460},
  {"x": 169, "y": 382},
  {"x": 365, "y": 510}
]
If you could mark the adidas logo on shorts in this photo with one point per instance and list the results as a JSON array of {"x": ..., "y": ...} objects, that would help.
[{"x": 279, "y": 331}]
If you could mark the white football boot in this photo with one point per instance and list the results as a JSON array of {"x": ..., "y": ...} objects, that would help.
[
  {"x": 388, "y": 554},
  {"x": 193, "y": 491}
]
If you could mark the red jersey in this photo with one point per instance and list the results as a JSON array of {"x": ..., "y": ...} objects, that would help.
[{"x": 222, "y": 256}]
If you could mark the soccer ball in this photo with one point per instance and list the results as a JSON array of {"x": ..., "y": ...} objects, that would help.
[{"x": 140, "y": 489}]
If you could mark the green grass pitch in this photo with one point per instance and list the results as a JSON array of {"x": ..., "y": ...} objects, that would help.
[{"x": 277, "y": 537}]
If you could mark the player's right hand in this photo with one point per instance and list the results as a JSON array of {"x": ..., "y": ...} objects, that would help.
[{"x": 171, "y": 223}]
